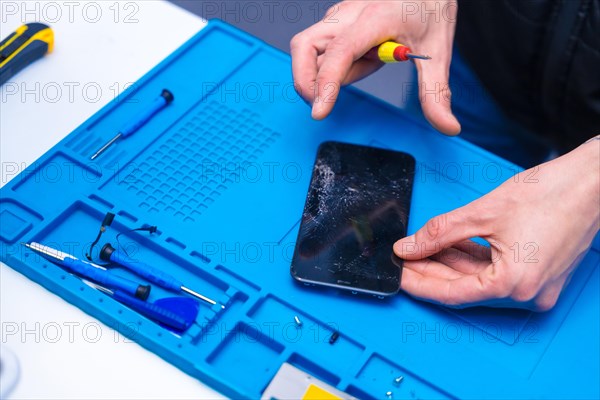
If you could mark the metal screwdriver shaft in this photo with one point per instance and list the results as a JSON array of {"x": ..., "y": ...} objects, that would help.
[
  {"x": 151, "y": 274},
  {"x": 419, "y": 56},
  {"x": 136, "y": 123},
  {"x": 199, "y": 296},
  {"x": 106, "y": 146}
]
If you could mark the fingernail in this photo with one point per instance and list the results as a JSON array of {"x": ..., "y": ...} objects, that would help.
[{"x": 316, "y": 108}]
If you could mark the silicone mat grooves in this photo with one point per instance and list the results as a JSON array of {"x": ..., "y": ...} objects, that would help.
[
  {"x": 223, "y": 172},
  {"x": 185, "y": 173}
]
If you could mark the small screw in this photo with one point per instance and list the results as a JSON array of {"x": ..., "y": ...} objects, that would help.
[
  {"x": 298, "y": 322},
  {"x": 398, "y": 380},
  {"x": 334, "y": 337},
  {"x": 389, "y": 395}
]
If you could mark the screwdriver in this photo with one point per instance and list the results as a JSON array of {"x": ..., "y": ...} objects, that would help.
[
  {"x": 110, "y": 254},
  {"x": 136, "y": 123},
  {"x": 175, "y": 313},
  {"x": 392, "y": 52},
  {"x": 90, "y": 271}
]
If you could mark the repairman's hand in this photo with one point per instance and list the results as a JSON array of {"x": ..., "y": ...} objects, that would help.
[
  {"x": 539, "y": 224},
  {"x": 331, "y": 52}
]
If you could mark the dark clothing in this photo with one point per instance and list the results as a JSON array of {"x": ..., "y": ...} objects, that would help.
[{"x": 540, "y": 60}]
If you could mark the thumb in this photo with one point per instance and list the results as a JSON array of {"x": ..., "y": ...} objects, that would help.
[
  {"x": 435, "y": 94},
  {"x": 440, "y": 233}
]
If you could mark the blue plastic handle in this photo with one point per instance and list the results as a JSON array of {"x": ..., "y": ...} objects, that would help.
[
  {"x": 147, "y": 272},
  {"x": 158, "y": 104},
  {"x": 106, "y": 278},
  {"x": 153, "y": 311}
]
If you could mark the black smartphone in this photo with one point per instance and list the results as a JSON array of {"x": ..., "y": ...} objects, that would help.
[{"x": 356, "y": 208}]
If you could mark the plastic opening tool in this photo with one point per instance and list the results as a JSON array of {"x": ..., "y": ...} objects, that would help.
[
  {"x": 139, "y": 120},
  {"x": 174, "y": 313},
  {"x": 90, "y": 271}
]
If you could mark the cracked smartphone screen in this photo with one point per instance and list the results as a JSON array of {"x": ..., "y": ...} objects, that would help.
[{"x": 356, "y": 208}]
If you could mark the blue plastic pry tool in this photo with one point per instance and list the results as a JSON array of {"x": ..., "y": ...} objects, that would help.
[{"x": 174, "y": 313}]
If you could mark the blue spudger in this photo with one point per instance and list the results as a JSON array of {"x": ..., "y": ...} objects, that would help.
[
  {"x": 175, "y": 313},
  {"x": 136, "y": 123}
]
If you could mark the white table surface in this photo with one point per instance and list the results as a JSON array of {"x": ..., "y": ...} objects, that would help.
[{"x": 100, "y": 48}]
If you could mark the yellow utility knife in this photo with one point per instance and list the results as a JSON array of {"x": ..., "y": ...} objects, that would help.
[{"x": 22, "y": 47}]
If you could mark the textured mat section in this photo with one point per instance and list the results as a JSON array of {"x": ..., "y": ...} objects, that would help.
[{"x": 187, "y": 172}]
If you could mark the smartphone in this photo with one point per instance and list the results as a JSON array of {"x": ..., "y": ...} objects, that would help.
[{"x": 356, "y": 208}]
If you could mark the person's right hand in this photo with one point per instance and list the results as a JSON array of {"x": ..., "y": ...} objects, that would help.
[
  {"x": 331, "y": 53},
  {"x": 539, "y": 224}
]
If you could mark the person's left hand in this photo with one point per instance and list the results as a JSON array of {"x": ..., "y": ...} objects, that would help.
[{"x": 539, "y": 225}]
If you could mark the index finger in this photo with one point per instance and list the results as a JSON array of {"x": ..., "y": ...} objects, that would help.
[
  {"x": 304, "y": 64},
  {"x": 337, "y": 61}
]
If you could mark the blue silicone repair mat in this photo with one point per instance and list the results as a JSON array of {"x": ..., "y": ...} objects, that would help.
[{"x": 223, "y": 172}]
